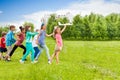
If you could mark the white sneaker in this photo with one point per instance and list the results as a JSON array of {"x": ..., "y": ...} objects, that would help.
[
  {"x": 22, "y": 62},
  {"x": 33, "y": 62},
  {"x": 49, "y": 62},
  {"x": 8, "y": 59}
]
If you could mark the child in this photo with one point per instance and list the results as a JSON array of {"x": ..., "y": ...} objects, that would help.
[
  {"x": 20, "y": 38},
  {"x": 29, "y": 46},
  {"x": 59, "y": 44},
  {"x": 10, "y": 40},
  {"x": 2, "y": 45},
  {"x": 41, "y": 42},
  {"x": 35, "y": 45}
]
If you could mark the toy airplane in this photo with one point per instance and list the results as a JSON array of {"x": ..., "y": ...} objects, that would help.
[{"x": 68, "y": 24}]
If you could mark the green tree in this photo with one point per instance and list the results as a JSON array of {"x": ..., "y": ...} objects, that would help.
[{"x": 29, "y": 24}]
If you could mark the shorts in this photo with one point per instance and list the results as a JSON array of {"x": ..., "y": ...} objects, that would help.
[
  {"x": 3, "y": 49},
  {"x": 58, "y": 48}
]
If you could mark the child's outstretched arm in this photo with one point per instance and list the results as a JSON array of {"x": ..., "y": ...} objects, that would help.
[
  {"x": 49, "y": 35},
  {"x": 33, "y": 33},
  {"x": 63, "y": 29}
]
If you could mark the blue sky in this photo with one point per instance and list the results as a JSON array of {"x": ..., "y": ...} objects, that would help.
[
  {"x": 18, "y": 11},
  {"x": 13, "y": 9}
]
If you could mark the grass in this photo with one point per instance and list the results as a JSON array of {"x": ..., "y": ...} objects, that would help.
[{"x": 79, "y": 60}]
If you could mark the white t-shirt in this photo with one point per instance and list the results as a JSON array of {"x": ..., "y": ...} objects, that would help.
[{"x": 34, "y": 41}]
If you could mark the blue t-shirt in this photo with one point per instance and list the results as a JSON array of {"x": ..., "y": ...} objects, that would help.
[
  {"x": 42, "y": 37},
  {"x": 10, "y": 38}
]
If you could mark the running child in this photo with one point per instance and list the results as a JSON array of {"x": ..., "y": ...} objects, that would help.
[
  {"x": 3, "y": 48},
  {"x": 20, "y": 38},
  {"x": 35, "y": 45},
  {"x": 29, "y": 47},
  {"x": 41, "y": 41},
  {"x": 9, "y": 41},
  {"x": 59, "y": 43}
]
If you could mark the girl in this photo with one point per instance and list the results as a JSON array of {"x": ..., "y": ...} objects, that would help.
[
  {"x": 2, "y": 45},
  {"x": 20, "y": 38},
  {"x": 9, "y": 41},
  {"x": 29, "y": 46},
  {"x": 41, "y": 41},
  {"x": 59, "y": 44}
]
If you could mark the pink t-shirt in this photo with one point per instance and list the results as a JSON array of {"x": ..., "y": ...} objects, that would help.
[
  {"x": 21, "y": 37},
  {"x": 59, "y": 40}
]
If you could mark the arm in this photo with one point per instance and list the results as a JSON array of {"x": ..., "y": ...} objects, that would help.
[
  {"x": 63, "y": 29},
  {"x": 49, "y": 35},
  {"x": 17, "y": 36},
  {"x": 32, "y": 33}
]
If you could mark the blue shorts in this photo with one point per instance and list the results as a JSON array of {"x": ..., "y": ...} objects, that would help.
[{"x": 3, "y": 49}]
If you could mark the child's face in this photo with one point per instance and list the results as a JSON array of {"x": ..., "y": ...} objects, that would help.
[
  {"x": 58, "y": 30},
  {"x": 13, "y": 29},
  {"x": 38, "y": 30},
  {"x": 4, "y": 36},
  {"x": 29, "y": 28},
  {"x": 23, "y": 31},
  {"x": 44, "y": 27}
]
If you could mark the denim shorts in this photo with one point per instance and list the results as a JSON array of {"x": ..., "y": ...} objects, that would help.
[{"x": 3, "y": 49}]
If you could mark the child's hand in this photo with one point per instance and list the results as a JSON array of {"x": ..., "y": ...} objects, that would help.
[{"x": 37, "y": 42}]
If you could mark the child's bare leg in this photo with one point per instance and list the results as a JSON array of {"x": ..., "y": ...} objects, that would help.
[
  {"x": 57, "y": 57},
  {"x": 7, "y": 57},
  {"x": 53, "y": 55},
  {"x": 0, "y": 55}
]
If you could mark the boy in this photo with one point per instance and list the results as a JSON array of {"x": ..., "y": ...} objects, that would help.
[{"x": 2, "y": 45}]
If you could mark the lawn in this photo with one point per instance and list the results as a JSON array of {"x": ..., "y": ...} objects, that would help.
[{"x": 79, "y": 60}]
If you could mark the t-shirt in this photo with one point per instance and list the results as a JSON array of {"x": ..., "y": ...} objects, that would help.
[
  {"x": 59, "y": 40},
  {"x": 21, "y": 37},
  {"x": 42, "y": 37},
  {"x": 2, "y": 42},
  {"x": 10, "y": 38},
  {"x": 29, "y": 36},
  {"x": 34, "y": 41}
]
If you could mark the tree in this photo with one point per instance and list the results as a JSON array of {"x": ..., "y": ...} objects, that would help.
[
  {"x": 4, "y": 28},
  {"x": 29, "y": 24},
  {"x": 51, "y": 23}
]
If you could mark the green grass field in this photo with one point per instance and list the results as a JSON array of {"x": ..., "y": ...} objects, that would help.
[{"x": 79, "y": 60}]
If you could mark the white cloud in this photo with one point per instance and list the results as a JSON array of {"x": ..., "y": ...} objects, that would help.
[
  {"x": 83, "y": 8},
  {"x": 1, "y": 12}
]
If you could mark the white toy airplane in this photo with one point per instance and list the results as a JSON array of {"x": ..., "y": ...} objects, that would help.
[{"x": 68, "y": 24}]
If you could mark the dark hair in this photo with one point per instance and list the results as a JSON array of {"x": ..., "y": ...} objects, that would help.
[
  {"x": 26, "y": 28},
  {"x": 42, "y": 25},
  {"x": 37, "y": 30},
  {"x": 12, "y": 26},
  {"x": 21, "y": 28},
  {"x": 3, "y": 33}
]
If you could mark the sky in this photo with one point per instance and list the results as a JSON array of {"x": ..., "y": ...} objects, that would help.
[{"x": 16, "y": 12}]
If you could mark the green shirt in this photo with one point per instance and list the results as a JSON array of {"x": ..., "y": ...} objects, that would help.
[{"x": 29, "y": 36}]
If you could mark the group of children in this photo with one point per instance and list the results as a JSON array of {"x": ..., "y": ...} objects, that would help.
[{"x": 34, "y": 45}]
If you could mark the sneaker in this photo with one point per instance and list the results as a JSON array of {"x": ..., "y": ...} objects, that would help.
[
  {"x": 9, "y": 59},
  {"x": 33, "y": 62},
  {"x": 49, "y": 62},
  {"x": 25, "y": 59},
  {"x": 22, "y": 62}
]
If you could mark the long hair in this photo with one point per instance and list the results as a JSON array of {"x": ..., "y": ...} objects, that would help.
[
  {"x": 55, "y": 31},
  {"x": 27, "y": 28}
]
